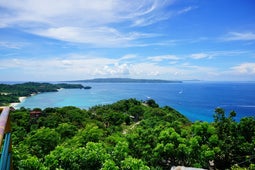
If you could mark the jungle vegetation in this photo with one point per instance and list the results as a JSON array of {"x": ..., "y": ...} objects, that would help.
[{"x": 129, "y": 134}]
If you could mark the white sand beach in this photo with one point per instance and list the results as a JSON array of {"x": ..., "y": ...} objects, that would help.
[
  {"x": 21, "y": 99},
  {"x": 60, "y": 89}
]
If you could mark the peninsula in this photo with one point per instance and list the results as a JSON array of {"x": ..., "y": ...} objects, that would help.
[
  {"x": 12, "y": 93},
  {"x": 126, "y": 80}
]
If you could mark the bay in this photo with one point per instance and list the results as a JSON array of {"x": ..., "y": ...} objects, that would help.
[{"x": 195, "y": 100}]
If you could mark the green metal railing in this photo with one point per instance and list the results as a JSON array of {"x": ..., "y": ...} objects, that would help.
[{"x": 5, "y": 139}]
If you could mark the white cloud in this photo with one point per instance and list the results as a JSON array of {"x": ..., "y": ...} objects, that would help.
[
  {"x": 239, "y": 36},
  {"x": 163, "y": 57},
  {"x": 245, "y": 68},
  {"x": 74, "y": 67},
  {"x": 113, "y": 70},
  {"x": 78, "y": 67},
  {"x": 200, "y": 55}
]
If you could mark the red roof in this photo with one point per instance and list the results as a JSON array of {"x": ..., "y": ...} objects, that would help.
[{"x": 35, "y": 112}]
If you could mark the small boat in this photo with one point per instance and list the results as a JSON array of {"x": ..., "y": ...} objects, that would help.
[{"x": 87, "y": 87}]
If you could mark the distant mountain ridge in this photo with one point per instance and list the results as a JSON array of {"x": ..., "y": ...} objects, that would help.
[{"x": 126, "y": 80}]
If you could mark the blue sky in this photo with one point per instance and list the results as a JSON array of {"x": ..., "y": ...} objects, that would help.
[{"x": 50, "y": 40}]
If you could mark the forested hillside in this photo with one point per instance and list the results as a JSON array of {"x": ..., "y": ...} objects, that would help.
[
  {"x": 128, "y": 134},
  {"x": 11, "y": 93}
]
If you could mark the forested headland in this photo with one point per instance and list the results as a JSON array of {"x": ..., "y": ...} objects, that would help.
[
  {"x": 11, "y": 93},
  {"x": 129, "y": 134}
]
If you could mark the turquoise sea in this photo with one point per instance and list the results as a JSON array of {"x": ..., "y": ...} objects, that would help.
[{"x": 196, "y": 100}]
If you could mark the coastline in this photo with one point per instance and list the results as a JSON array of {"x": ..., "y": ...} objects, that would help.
[
  {"x": 21, "y": 99},
  {"x": 60, "y": 89}
]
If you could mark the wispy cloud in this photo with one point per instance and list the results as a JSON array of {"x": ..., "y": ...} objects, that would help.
[
  {"x": 186, "y": 9},
  {"x": 212, "y": 54},
  {"x": 100, "y": 36},
  {"x": 239, "y": 36},
  {"x": 90, "y": 22},
  {"x": 128, "y": 57},
  {"x": 12, "y": 45},
  {"x": 200, "y": 55},
  {"x": 163, "y": 57}
]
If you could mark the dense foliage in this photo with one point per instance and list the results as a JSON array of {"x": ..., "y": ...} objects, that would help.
[
  {"x": 128, "y": 134},
  {"x": 10, "y": 93}
]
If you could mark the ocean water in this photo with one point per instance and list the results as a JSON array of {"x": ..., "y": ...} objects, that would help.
[{"x": 196, "y": 100}]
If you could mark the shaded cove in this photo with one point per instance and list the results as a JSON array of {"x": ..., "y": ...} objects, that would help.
[{"x": 196, "y": 100}]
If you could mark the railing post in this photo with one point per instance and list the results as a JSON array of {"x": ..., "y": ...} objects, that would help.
[{"x": 5, "y": 134}]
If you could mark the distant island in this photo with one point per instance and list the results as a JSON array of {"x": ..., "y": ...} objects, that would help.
[
  {"x": 12, "y": 93},
  {"x": 126, "y": 80}
]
